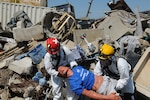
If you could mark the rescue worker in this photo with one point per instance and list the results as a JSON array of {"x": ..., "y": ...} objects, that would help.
[
  {"x": 56, "y": 56},
  {"x": 83, "y": 81},
  {"x": 116, "y": 68}
]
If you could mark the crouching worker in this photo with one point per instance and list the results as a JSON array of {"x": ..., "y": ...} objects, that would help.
[
  {"x": 58, "y": 55},
  {"x": 84, "y": 82}
]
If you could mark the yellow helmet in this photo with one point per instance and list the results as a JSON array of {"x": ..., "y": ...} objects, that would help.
[{"x": 106, "y": 51}]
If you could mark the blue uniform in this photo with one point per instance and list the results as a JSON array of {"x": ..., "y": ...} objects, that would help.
[{"x": 81, "y": 79}]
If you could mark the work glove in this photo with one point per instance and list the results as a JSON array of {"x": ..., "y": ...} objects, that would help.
[
  {"x": 42, "y": 81},
  {"x": 120, "y": 85},
  {"x": 73, "y": 64},
  {"x": 39, "y": 78},
  {"x": 59, "y": 75}
]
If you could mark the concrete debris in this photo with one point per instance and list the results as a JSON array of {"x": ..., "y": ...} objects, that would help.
[
  {"x": 8, "y": 46},
  {"x": 26, "y": 34},
  {"x": 4, "y": 63},
  {"x": 19, "y": 16},
  {"x": 17, "y": 98},
  {"x": 4, "y": 79},
  {"x": 125, "y": 24},
  {"x": 5, "y": 94},
  {"x": 147, "y": 30},
  {"x": 22, "y": 66},
  {"x": 22, "y": 45},
  {"x": 14, "y": 80}
]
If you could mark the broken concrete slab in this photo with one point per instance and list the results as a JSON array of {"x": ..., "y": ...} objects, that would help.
[
  {"x": 22, "y": 66},
  {"x": 147, "y": 30},
  {"x": 69, "y": 44},
  {"x": 5, "y": 74},
  {"x": 20, "y": 24},
  {"x": 6, "y": 62},
  {"x": 91, "y": 35},
  {"x": 117, "y": 24},
  {"x": 26, "y": 34},
  {"x": 5, "y": 94},
  {"x": 9, "y": 46},
  {"x": 17, "y": 98}
]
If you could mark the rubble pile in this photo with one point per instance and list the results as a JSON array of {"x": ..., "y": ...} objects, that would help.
[
  {"x": 22, "y": 49},
  {"x": 22, "y": 46}
]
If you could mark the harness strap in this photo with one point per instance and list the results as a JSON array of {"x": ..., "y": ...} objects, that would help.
[
  {"x": 58, "y": 60},
  {"x": 106, "y": 71}
]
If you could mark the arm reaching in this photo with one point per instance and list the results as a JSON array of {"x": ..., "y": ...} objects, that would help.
[{"x": 97, "y": 96}]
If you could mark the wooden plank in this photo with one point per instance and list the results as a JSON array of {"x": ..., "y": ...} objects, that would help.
[{"x": 141, "y": 74}]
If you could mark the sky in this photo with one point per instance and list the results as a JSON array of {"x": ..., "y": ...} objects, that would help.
[{"x": 98, "y": 6}]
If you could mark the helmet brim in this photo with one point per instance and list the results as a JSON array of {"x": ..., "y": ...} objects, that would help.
[{"x": 104, "y": 58}]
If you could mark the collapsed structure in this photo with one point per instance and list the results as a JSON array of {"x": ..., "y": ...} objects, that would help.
[{"x": 22, "y": 44}]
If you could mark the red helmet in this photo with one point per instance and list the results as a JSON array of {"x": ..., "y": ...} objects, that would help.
[{"x": 52, "y": 45}]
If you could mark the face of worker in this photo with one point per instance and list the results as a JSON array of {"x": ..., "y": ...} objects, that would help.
[
  {"x": 63, "y": 71},
  {"x": 106, "y": 62}
]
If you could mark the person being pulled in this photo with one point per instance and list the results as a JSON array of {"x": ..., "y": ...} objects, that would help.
[{"x": 84, "y": 82}]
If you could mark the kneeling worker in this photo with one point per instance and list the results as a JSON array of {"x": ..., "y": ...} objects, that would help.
[{"x": 84, "y": 82}]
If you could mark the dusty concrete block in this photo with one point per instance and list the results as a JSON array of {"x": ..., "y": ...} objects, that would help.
[
  {"x": 26, "y": 34},
  {"x": 147, "y": 30},
  {"x": 69, "y": 44},
  {"x": 8, "y": 46},
  {"x": 22, "y": 66},
  {"x": 6, "y": 62},
  {"x": 17, "y": 98},
  {"x": 20, "y": 24}
]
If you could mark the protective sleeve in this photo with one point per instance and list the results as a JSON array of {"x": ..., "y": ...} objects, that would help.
[
  {"x": 98, "y": 69},
  {"x": 123, "y": 68},
  {"x": 73, "y": 64},
  {"x": 70, "y": 57},
  {"x": 48, "y": 65}
]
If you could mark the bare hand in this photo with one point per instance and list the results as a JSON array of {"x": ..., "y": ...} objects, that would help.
[{"x": 114, "y": 96}]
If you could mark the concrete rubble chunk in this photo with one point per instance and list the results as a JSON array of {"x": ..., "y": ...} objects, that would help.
[
  {"x": 17, "y": 98},
  {"x": 26, "y": 34},
  {"x": 8, "y": 46},
  {"x": 20, "y": 24},
  {"x": 22, "y": 66},
  {"x": 14, "y": 80},
  {"x": 147, "y": 30},
  {"x": 6, "y": 62},
  {"x": 5, "y": 94},
  {"x": 28, "y": 91},
  {"x": 23, "y": 45},
  {"x": 123, "y": 26},
  {"x": 5, "y": 74}
]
